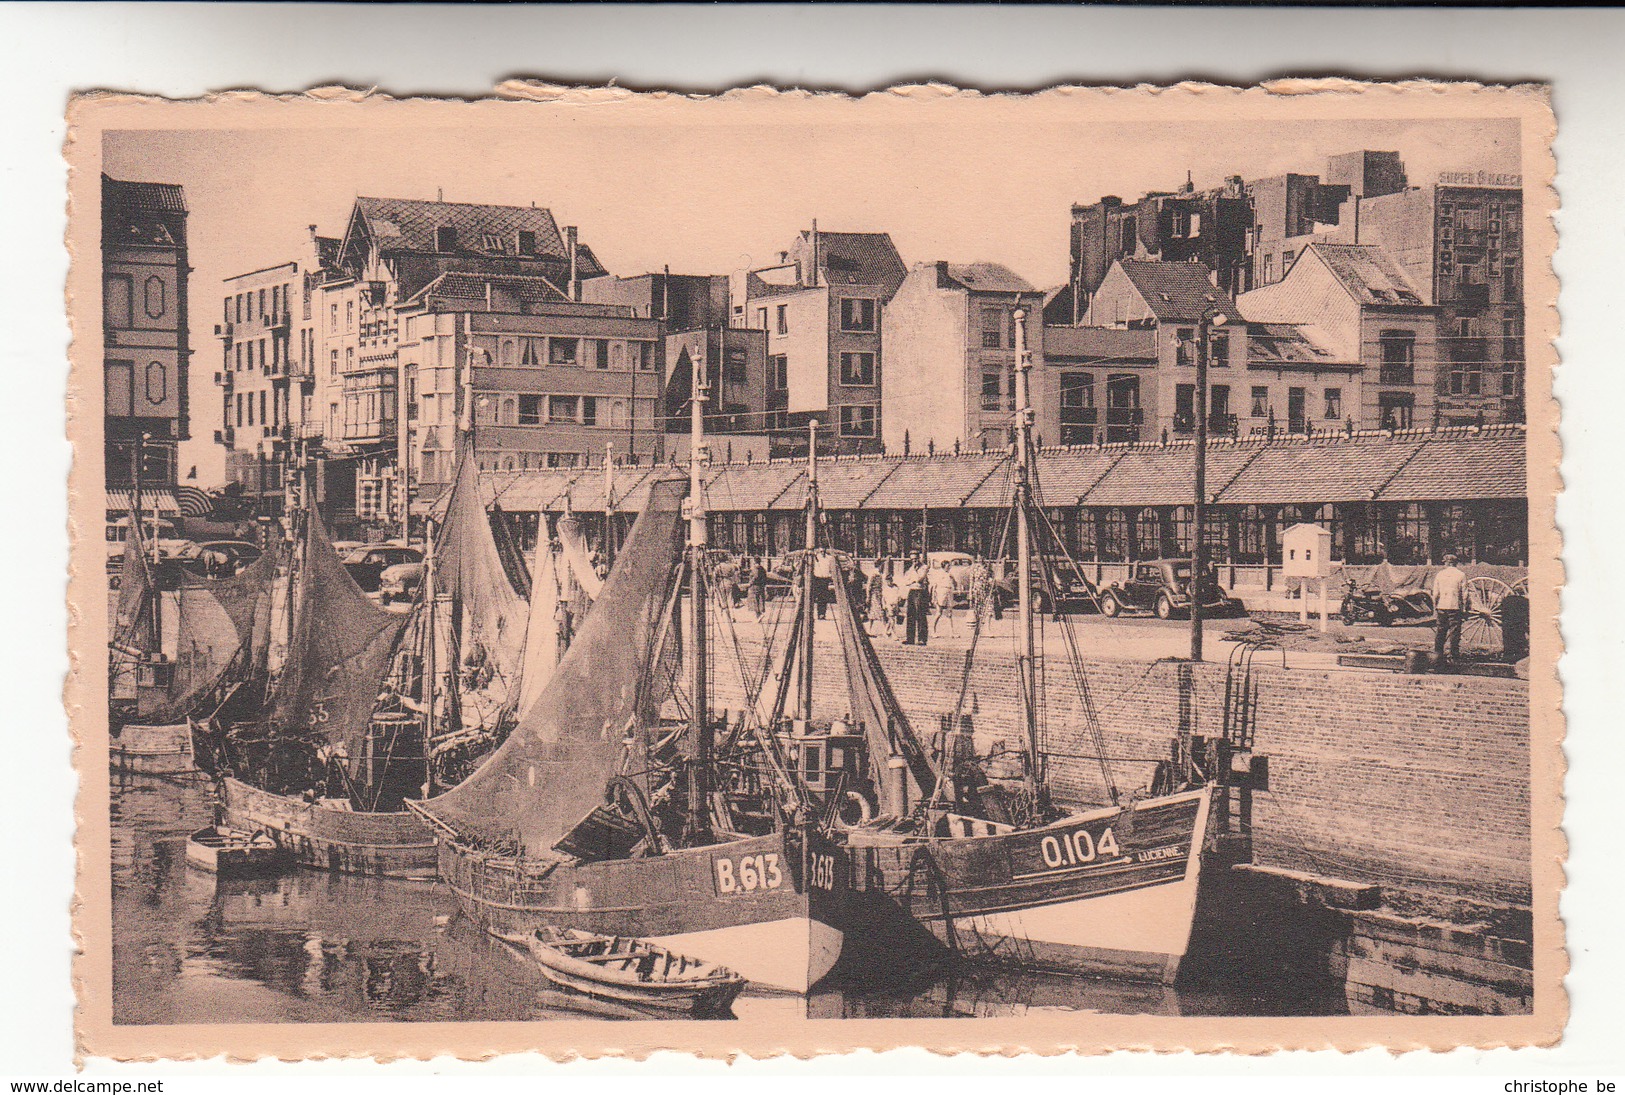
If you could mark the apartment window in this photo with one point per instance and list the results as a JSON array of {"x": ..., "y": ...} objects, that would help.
[
  {"x": 349, "y": 315},
  {"x": 332, "y": 314},
  {"x": 1269, "y": 269},
  {"x": 778, "y": 372},
  {"x": 857, "y": 420},
  {"x": 117, "y": 293},
  {"x": 761, "y": 319},
  {"x": 1185, "y": 347},
  {"x": 1218, "y": 351},
  {"x": 598, "y": 352},
  {"x": 734, "y": 367},
  {"x": 1296, "y": 412},
  {"x": 993, "y": 324},
  {"x": 992, "y": 389},
  {"x": 530, "y": 410},
  {"x": 250, "y": 357},
  {"x": 349, "y": 359},
  {"x": 1334, "y": 403},
  {"x": 154, "y": 297},
  {"x": 1396, "y": 410},
  {"x": 1261, "y": 402},
  {"x": 250, "y": 408},
  {"x": 239, "y": 355},
  {"x": 1286, "y": 261},
  {"x": 263, "y": 420},
  {"x": 857, "y": 314},
  {"x": 530, "y": 355},
  {"x": 858, "y": 369},
  {"x": 783, "y": 320},
  {"x": 563, "y": 351},
  {"x": 1398, "y": 357},
  {"x": 562, "y": 408},
  {"x": 589, "y": 410},
  {"x": 1218, "y": 406},
  {"x": 527, "y": 242},
  {"x": 617, "y": 414},
  {"x": 1184, "y": 408},
  {"x": 1077, "y": 408},
  {"x": 1512, "y": 285},
  {"x": 332, "y": 363},
  {"x": 641, "y": 355}
]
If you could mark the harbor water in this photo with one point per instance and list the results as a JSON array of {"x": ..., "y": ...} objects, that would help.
[{"x": 310, "y": 946}]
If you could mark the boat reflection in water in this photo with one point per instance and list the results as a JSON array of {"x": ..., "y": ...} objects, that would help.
[{"x": 322, "y": 947}]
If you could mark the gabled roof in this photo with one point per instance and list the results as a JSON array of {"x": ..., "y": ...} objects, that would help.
[
  {"x": 405, "y": 225},
  {"x": 142, "y": 197},
  {"x": 1179, "y": 292},
  {"x": 858, "y": 258},
  {"x": 1369, "y": 273},
  {"x": 986, "y": 277}
]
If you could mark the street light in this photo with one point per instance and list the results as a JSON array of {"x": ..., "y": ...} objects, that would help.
[{"x": 1214, "y": 317}]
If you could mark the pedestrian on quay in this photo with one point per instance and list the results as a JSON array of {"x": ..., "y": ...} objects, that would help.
[
  {"x": 1448, "y": 606},
  {"x": 823, "y": 580},
  {"x": 917, "y": 601},
  {"x": 874, "y": 595},
  {"x": 756, "y": 589},
  {"x": 943, "y": 588}
]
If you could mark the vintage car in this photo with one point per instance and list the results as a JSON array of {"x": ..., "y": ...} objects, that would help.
[
  {"x": 367, "y": 563},
  {"x": 400, "y": 582},
  {"x": 221, "y": 558},
  {"x": 1162, "y": 587},
  {"x": 1072, "y": 592}
]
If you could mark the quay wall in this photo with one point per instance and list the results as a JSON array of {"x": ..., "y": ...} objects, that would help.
[{"x": 1412, "y": 782}]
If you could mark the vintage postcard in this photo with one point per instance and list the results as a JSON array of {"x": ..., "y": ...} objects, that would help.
[{"x": 591, "y": 572}]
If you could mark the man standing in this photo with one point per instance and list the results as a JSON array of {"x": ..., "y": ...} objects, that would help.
[
  {"x": 1447, "y": 610},
  {"x": 916, "y": 606}
]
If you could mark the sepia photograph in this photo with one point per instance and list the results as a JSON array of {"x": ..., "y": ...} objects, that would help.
[{"x": 1072, "y": 568}]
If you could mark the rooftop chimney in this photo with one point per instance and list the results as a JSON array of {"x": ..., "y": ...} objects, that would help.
[
  {"x": 815, "y": 253},
  {"x": 571, "y": 246}
]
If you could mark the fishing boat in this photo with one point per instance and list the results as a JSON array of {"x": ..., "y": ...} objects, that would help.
[
  {"x": 632, "y": 971},
  {"x": 183, "y": 649},
  {"x": 235, "y": 853},
  {"x": 372, "y": 708},
  {"x": 991, "y": 865},
  {"x": 610, "y": 808}
]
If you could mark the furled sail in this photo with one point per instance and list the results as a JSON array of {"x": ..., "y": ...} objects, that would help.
[
  {"x": 563, "y": 586},
  {"x": 220, "y": 620},
  {"x": 133, "y": 618},
  {"x": 341, "y": 650},
  {"x": 469, "y": 572},
  {"x": 552, "y": 770},
  {"x": 874, "y": 704}
]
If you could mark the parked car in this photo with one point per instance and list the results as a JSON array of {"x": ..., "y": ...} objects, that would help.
[
  {"x": 367, "y": 564},
  {"x": 400, "y": 582},
  {"x": 1163, "y": 587},
  {"x": 1073, "y": 592},
  {"x": 222, "y": 558}
]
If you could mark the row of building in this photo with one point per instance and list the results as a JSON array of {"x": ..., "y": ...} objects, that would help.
[{"x": 1347, "y": 304}]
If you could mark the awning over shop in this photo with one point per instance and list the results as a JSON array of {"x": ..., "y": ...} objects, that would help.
[{"x": 120, "y": 502}]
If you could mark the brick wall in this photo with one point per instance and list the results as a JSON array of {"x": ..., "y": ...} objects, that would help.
[{"x": 1413, "y": 782}]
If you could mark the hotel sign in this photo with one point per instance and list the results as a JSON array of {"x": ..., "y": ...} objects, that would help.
[{"x": 1479, "y": 178}]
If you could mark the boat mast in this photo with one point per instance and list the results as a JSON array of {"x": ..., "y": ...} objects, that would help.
[
  {"x": 1025, "y": 658},
  {"x": 431, "y": 682},
  {"x": 609, "y": 502},
  {"x": 809, "y": 587},
  {"x": 699, "y": 772}
]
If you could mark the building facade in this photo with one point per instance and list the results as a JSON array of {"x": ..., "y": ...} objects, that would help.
[
  {"x": 822, "y": 308},
  {"x": 949, "y": 346},
  {"x": 146, "y": 347},
  {"x": 555, "y": 383},
  {"x": 1356, "y": 306},
  {"x": 1155, "y": 310}
]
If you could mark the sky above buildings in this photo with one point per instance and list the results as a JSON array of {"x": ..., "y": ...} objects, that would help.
[{"x": 730, "y": 192}]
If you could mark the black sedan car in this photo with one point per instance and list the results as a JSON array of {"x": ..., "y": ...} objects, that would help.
[{"x": 1163, "y": 587}]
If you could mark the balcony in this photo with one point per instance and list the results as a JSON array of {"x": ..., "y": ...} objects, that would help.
[
  {"x": 1124, "y": 416},
  {"x": 225, "y": 437},
  {"x": 227, "y": 331},
  {"x": 1396, "y": 374},
  {"x": 1469, "y": 294},
  {"x": 275, "y": 321},
  {"x": 224, "y": 379},
  {"x": 1079, "y": 416}
]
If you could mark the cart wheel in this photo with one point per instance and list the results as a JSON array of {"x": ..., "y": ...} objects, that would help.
[
  {"x": 1481, "y": 612},
  {"x": 1521, "y": 587}
]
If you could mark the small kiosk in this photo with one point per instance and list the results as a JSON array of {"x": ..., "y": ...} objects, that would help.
[{"x": 1306, "y": 553}]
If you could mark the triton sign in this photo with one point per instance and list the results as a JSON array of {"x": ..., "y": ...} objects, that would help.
[{"x": 1478, "y": 178}]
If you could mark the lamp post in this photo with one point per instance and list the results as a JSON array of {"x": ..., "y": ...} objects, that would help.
[{"x": 1214, "y": 318}]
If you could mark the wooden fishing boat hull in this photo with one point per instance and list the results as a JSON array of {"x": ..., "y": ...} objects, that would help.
[
  {"x": 319, "y": 836},
  {"x": 234, "y": 854},
  {"x": 709, "y": 994},
  {"x": 152, "y": 750},
  {"x": 1107, "y": 893},
  {"x": 774, "y": 915}
]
